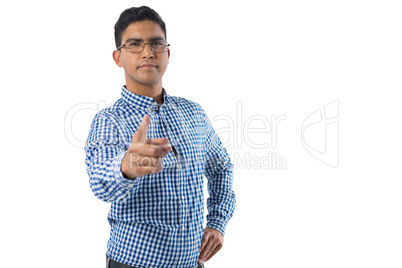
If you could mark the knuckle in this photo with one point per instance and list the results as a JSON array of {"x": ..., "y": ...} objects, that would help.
[
  {"x": 133, "y": 149},
  {"x": 154, "y": 150}
]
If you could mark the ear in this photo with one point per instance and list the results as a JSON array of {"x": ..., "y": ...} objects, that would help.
[
  {"x": 168, "y": 54},
  {"x": 116, "y": 57}
]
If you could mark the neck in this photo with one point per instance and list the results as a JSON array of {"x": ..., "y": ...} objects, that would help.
[{"x": 154, "y": 92}]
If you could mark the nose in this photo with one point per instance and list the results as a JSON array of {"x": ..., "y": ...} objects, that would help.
[{"x": 147, "y": 52}]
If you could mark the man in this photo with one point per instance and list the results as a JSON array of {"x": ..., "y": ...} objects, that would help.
[{"x": 147, "y": 154}]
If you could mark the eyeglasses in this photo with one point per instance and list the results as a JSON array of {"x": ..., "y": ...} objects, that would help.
[{"x": 138, "y": 46}]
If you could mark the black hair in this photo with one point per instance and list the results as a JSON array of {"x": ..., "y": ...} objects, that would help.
[{"x": 135, "y": 14}]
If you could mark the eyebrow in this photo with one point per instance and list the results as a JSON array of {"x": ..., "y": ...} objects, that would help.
[{"x": 142, "y": 40}]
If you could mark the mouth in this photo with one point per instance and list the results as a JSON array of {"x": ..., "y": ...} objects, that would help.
[{"x": 147, "y": 66}]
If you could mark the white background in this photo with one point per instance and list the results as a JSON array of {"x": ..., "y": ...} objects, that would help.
[{"x": 275, "y": 58}]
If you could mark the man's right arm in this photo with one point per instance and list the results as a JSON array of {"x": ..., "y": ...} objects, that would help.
[
  {"x": 115, "y": 172},
  {"x": 105, "y": 151}
]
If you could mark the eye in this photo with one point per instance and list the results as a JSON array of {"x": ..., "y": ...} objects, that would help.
[
  {"x": 134, "y": 44},
  {"x": 157, "y": 44}
]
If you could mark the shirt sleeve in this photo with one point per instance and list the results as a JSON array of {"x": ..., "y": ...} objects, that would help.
[
  {"x": 221, "y": 202},
  {"x": 104, "y": 152}
]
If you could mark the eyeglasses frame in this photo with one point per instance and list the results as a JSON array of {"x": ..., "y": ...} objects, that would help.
[{"x": 143, "y": 47}]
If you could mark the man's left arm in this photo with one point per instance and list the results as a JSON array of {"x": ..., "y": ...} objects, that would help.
[{"x": 221, "y": 202}]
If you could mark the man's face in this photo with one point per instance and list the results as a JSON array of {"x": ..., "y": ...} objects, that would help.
[{"x": 145, "y": 68}]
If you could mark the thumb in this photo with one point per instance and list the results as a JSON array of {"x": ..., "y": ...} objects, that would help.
[{"x": 142, "y": 131}]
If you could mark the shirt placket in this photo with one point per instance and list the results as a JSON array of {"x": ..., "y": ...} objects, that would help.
[{"x": 180, "y": 191}]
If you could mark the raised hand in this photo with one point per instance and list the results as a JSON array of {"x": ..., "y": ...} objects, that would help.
[{"x": 144, "y": 156}]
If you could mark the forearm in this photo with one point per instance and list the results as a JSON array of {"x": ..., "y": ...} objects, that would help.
[
  {"x": 107, "y": 181},
  {"x": 221, "y": 202},
  {"x": 104, "y": 150}
]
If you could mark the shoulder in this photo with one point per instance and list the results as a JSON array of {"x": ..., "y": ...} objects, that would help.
[
  {"x": 187, "y": 105},
  {"x": 113, "y": 111},
  {"x": 111, "y": 117}
]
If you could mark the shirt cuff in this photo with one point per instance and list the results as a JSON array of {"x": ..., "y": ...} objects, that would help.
[
  {"x": 217, "y": 225},
  {"x": 123, "y": 182}
]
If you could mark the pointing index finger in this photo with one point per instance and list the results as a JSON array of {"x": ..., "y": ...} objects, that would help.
[{"x": 142, "y": 131}]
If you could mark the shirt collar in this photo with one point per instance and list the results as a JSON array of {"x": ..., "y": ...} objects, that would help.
[{"x": 142, "y": 102}]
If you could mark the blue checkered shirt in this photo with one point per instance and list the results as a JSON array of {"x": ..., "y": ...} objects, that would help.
[{"x": 157, "y": 220}]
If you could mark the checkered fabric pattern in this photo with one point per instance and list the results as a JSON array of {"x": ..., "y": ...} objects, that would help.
[{"x": 157, "y": 220}]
